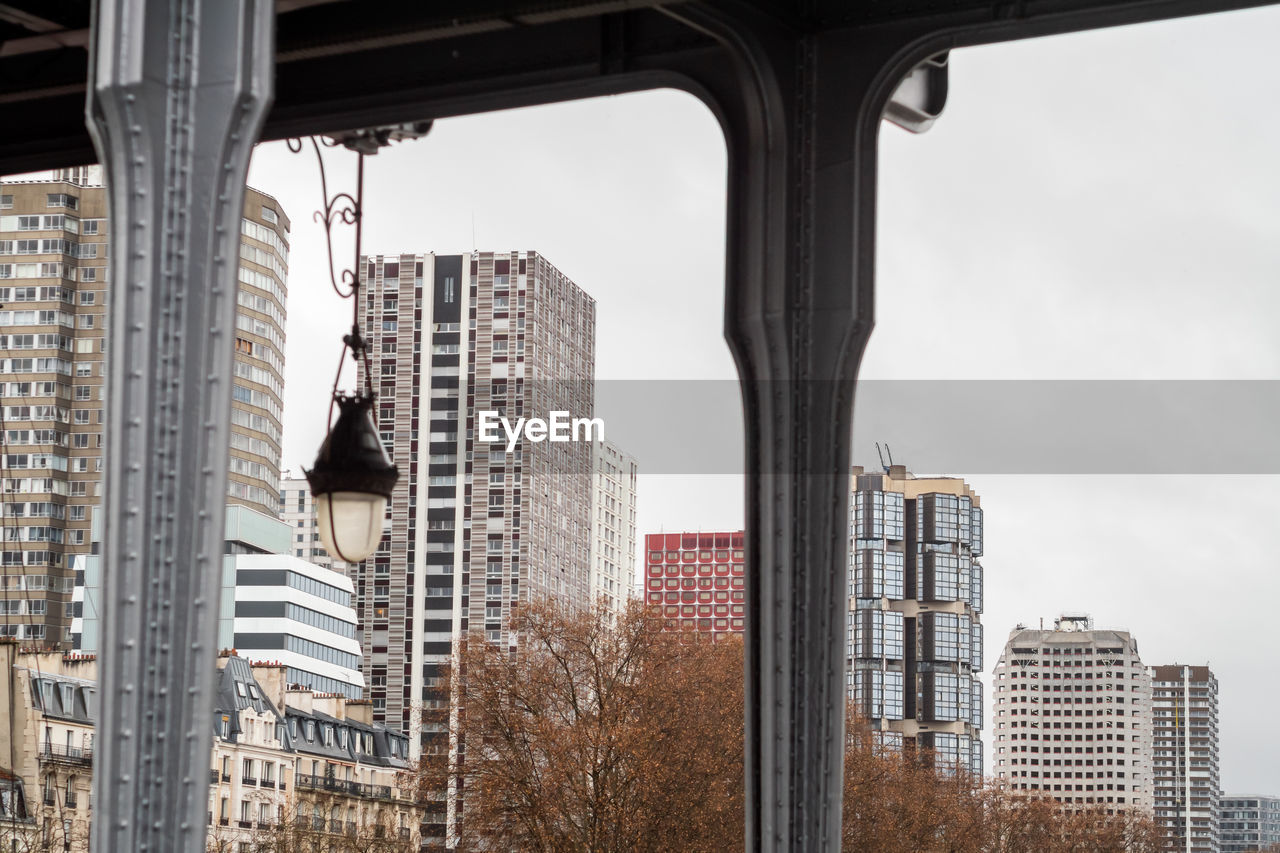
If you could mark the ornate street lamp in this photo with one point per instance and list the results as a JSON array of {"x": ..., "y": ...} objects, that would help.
[{"x": 352, "y": 479}]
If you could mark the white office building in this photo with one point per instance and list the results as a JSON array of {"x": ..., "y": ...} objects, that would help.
[
  {"x": 297, "y": 614},
  {"x": 1073, "y": 716}
]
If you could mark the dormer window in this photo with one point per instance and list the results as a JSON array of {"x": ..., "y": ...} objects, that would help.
[
  {"x": 240, "y": 689},
  {"x": 328, "y": 735}
]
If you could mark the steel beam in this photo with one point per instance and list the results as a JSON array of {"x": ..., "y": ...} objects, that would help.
[{"x": 178, "y": 93}]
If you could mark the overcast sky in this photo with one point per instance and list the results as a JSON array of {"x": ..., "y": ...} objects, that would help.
[{"x": 1097, "y": 206}]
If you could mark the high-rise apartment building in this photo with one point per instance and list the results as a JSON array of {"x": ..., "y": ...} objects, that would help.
[
  {"x": 298, "y": 511},
  {"x": 1073, "y": 716},
  {"x": 696, "y": 581},
  {"x": 474, "y": 527},
  {"x": 915, "y": 599},
  {"x": 1249, "y": 823},
  {"x": 54, "y": 285},
  {"x": 613, "y": 526},
  {"x": 1188, "y": 791}
]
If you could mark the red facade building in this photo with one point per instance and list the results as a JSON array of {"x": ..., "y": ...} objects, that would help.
[{"x": 695, "y": 580}]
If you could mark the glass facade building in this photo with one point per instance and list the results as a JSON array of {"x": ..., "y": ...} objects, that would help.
[{"x": 915, "y": 604}]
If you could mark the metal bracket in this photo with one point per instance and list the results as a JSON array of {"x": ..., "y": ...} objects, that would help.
[{"x": 920, "y": 97}]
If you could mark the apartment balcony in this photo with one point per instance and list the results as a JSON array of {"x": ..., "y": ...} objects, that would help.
[
  {"x": 53, "y": 753},
  {"x": 213, "y": 777},
  {"x": 249, "y": 780},
  {"x": 245, "y": 824},
  {"x": 344, "y": 787}
]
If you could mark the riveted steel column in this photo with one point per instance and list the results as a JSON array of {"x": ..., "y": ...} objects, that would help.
[
  {"x": 178, "y": 92},
  {"x": 801, "y": 113}
]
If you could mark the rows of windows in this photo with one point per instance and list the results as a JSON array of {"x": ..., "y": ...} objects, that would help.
[
  {"x": 951, "y": 697},
  {"x": 257, "y": 470},
  {"x": 38, "y": 270},
  {"x": 262, "y": 281},
  {"x": 254, "y": 397},
  {"x": 251, "y": 444},
  {"x": 877, "y": 693},
  {"x": 951, "y": 637},
  {"x": 35, "y": 317},
  {"x": 296, "y": 613},
  {"x": 258, "y": 326},
  {"x": 258, "y": 302},
  {"x": 33, "y": 293},
  {"x": 876, "y": 574},
  {"x": 876, "y": 634},
  {"x": 954, "y": 751},
  {"x": 46, "y": 222},
  {"x": 263, "y": 234},
  {"x": 33, "y": 341},
  {"x": 46, "y": 246},
  {"x": 323, "y": 684},
  {"x": 294, "y": 580},
  {"x": 264, "y": 258},
  {"x": 33, "y": 509},
  {"x": 253, "y": 494},
  {"x": 320, "y": 651},
  {"x": 878, "y": 515},
  {"x": 35, "y": 365},
  {"x": 941, "y": 576},
  {"x": 255, "y": 421}
]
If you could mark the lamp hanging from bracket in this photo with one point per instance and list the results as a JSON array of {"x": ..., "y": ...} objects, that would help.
[{"x": 352, "y": 479}]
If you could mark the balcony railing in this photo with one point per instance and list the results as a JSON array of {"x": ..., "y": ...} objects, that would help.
[
  {"x": 213, "y": 777},
  {"x": 70, "y": 800},
  {"x": 342, "y": 786},
  {"x": 248, "y": 780},
  {"x": 267, "y": 783},
  {"x": 245, "y": 824},
  {"x": 66, "y": 754}
]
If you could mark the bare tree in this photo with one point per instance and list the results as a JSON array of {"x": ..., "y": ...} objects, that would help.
[
  {"x": 601, "y": 735},
  {"x": 604, "y": 736}
]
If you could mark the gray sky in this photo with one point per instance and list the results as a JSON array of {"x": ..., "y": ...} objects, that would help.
[{"x": 1097, "y": 206}]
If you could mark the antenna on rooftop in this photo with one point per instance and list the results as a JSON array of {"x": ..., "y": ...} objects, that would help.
[
  {"x": 889, "y": 453},
  {"x": 881, "y": 455}
]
